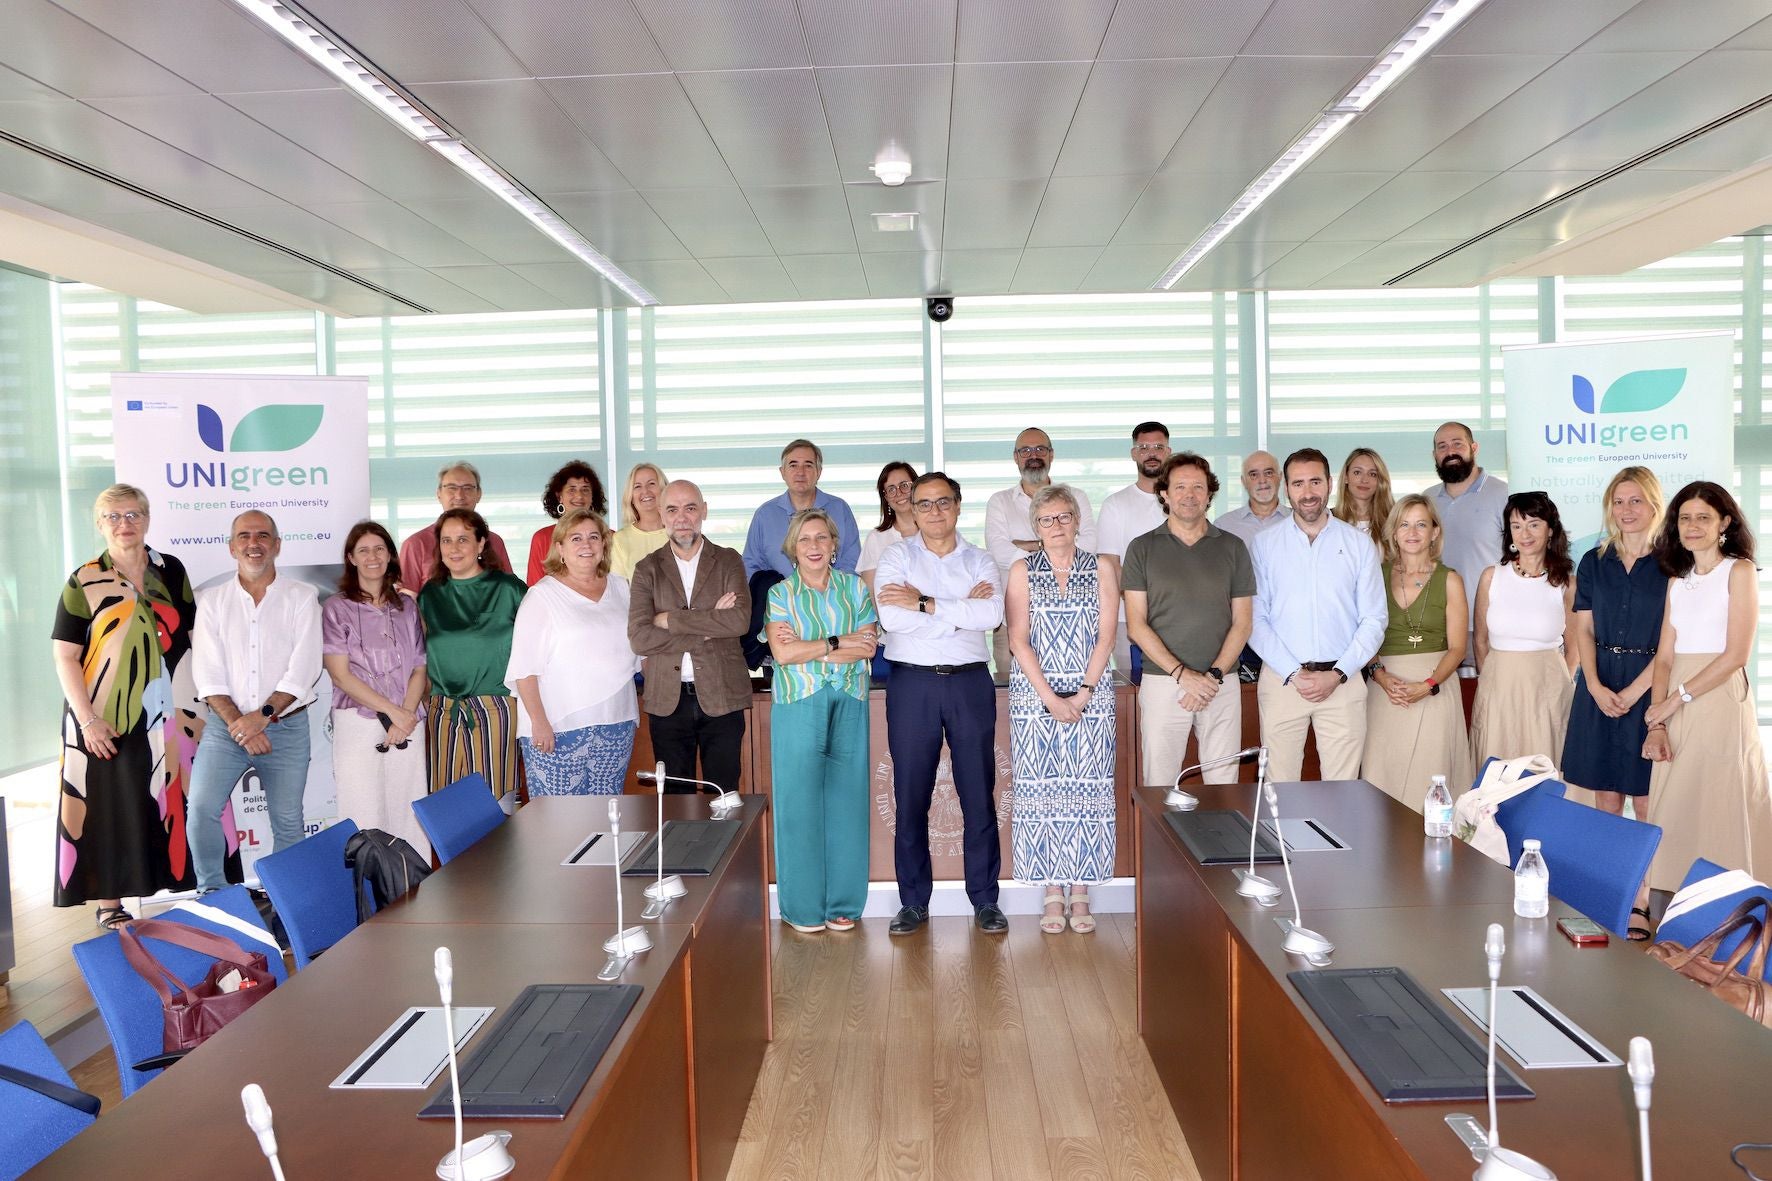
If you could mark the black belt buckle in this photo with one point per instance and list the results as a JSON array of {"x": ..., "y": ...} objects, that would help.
[{"x": 1318, "y": 666}]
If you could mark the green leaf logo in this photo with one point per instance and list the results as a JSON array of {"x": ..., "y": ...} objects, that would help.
[
  {"x": 1644, "y": 389},
  {"x": 284, "y": 427}
]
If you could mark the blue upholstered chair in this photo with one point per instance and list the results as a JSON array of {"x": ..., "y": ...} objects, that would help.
[
  {"x": 130, "y": 1008},
  {"x": 457, "y": 816},
  {"x": 1597, "y": 860},
  {"x": 1695, "y": 924},
  {"x": 311, "y": 889},
  {"x": 32, "y": 1125}
]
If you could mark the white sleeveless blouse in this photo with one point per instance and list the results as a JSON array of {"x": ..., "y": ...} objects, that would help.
[
  {"x": 1698, "y": 607},
  {"x": 1525, "y": 614}
]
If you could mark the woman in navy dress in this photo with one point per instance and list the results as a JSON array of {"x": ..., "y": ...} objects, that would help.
[{"x": 1620, "y": 593}]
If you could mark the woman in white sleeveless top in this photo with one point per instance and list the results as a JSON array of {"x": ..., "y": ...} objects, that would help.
[
  {"x": 1707, "y": 789},
  {"x": 1524, "y": 609}
]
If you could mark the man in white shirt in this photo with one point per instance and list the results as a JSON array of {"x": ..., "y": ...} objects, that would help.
[
  {"x": 256, "y": 652},
  {"x": 1132, "y": 511},
  {"x": 1261, "y": 512},
  {"x": 939, "y": 597},
  {"x": 1008, "y": 531},
  {"x": 1319, "y": 617}
]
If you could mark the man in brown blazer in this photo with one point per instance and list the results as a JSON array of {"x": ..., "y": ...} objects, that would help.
[{"x": 687, "y": 607}]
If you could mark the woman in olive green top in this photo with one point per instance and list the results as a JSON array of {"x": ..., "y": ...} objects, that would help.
[
  {"x": 468, "y": 611},
  {"x": 1415, "y": 718}
]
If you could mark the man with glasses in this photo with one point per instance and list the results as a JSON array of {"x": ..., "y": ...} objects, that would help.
[
  {"x": 458, "y": 487},
  {"x": 765, "y": 563},
  {"x": 1131, "y": 512},
  {"x": 1009, "y": 534},
  {"x": 939, "y": 596},
  {"x": 1190, "y": 591}
]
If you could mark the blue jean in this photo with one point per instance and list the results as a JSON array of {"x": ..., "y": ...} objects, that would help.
[{"x": 219, "y": 763}]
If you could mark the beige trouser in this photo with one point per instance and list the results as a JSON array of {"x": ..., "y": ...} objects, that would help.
[
  {"x": 1339, "y": 720},
  {"x": 1000, "y": 657},
  {"x": 1164, "y": 727}
]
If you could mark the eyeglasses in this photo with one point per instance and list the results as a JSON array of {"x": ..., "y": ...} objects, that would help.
[
  {"x": 132, "y": 516},
  {"x": 458, "y": 487},
  {"x": 1052, "y": 519},
  {"x": 944, "y": 503},
  {"x": 1150, "y": 448},
  {"x": 901, "y": 486},
  {"x": 1024, "y": 452}
]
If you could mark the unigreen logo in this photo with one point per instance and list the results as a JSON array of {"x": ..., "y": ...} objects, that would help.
[
  {"x": 1635, "y": 392},
  {"x": 277, "y": 427}
]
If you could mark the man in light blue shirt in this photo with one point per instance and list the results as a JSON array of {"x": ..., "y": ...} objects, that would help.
[
  {"x": 764, "y": 562},
  {"x": 1471, "y": 502},
  {"x": 1319, "y": 618}
]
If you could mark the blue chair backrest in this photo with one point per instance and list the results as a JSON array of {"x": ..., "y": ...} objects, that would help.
[
  {"x": 311, "y": 889},
  {"x": 459, "y": 815},
  {"x": 1597, "y": 860},
  {"x": 1695, "y": 924},
  {"x": 130, "y": 1008},
  {"x": 32, "y": 1125}
]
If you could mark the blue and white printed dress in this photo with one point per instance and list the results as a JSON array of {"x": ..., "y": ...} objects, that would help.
[{"x": 1064, "y": 774}]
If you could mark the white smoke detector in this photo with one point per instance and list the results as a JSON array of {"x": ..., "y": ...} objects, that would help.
[{"x": 893, "y": 167}]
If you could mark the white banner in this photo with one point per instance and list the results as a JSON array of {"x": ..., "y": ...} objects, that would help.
[
  {"x": 1579, "y": 411},
  {"x": 207, "y": 447}
]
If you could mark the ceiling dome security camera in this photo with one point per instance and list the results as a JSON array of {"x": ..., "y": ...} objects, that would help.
[{"x": 941, "y": 309}]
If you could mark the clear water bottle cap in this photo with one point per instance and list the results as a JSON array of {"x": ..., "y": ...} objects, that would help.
[{"x": 1530, "y": 843}]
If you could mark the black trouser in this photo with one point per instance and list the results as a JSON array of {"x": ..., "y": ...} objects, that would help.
[
  {"x": 680, "y": 737},
  {"x": 922, "y": 708},
  {"x": 754, "y": 649}
]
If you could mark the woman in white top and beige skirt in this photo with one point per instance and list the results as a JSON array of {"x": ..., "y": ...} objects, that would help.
[
  {"x": 1707, "y": 789},
  {"x": 1525, "y": 605}
]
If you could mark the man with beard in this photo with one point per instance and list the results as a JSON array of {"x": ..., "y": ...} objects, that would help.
[
  {"x": 1132, "y": 511},
  {"x": 1320, "y": 615},
  {"x": 1470, "y": 502},
  {"x": 1008, "y": 530},
  {"x": 1261, "y": 512}
]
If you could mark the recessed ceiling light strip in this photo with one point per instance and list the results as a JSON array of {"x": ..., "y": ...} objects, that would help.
[
  {"x": 319, "y": 46},
  {"x": 1429, "y": 30}
]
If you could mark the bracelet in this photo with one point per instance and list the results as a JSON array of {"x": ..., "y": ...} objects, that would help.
[
  {"x": 92, "y": 721},
  {"x": 1657, "y": 726},
  {"x": 1087, "y": 686}
]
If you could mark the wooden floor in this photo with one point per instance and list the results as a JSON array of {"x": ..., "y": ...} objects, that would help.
[{"x": 954, "y": 1054}]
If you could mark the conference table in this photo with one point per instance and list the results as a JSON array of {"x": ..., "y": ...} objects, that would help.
[
  {"x": 667, "y": 1099},
  {"x": 1263, "y": 1091}
]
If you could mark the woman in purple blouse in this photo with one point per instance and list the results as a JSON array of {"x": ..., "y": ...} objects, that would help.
[{"x": 375, "y": 653}]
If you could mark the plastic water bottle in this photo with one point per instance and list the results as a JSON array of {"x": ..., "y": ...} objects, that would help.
[
  {"x": 1436, "y": 812},
  {"x": 1531, "y": 883}
]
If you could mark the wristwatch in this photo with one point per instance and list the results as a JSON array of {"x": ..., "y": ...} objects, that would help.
[
  {"x": 1433, "y": 686},
  {"x": 1342, "y": 675},
  {"x": 266, "y": 709},
  {"x": 830, "y": 643},
  {"x": 923, "y": 602},
  {"x": 1216, "y": 674},
  {"x": 1685, "y": 697}
]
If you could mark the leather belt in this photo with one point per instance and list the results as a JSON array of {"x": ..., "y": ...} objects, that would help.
[
  {"x": 291, "y": 714},
  {"x": 942, "y": 670},
  {"x": 1318, "y": 666},
  {"x": 1617, "y": 651}
]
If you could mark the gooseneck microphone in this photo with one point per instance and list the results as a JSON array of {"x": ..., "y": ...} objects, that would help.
[
  {"x": 443, "y": 966},
  {"x": 1300, "y": 939},
  {"x": 1249, "y": 883},
  {"x": 665, "y": 890},
  {"x": 627, "y": 941},
  {"x": 1182, "y": 801},
  {"x": 1642, "y": 1076},
  {"x": 258, "y": 1118},
  {"x": 1501, "y": 1164},
  {"x": 723, "y": 802}
]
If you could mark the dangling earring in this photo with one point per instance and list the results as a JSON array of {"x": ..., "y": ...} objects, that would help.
[{"x": 1512, "y": 548}]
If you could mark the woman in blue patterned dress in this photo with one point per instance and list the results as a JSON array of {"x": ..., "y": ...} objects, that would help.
[{"x": 1061, "y": 614}]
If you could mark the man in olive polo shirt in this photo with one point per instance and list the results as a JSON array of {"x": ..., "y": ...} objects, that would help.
[{"x": 1190, "y": 591}]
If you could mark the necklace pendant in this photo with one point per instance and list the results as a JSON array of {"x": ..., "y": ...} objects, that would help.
[{"x": 1415, "y": 641}]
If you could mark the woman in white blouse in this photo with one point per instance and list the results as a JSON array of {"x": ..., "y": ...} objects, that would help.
[
  {"x": 896, "y": 523},
  {"x": 572, "y": 668}
]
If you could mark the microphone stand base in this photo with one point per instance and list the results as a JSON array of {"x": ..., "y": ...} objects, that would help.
[
  {"x": 1180, "y": 800},
  {"x": 630, "y": 942},
  {"x": 1253, "y": 885},
  {"x": 1305, "y": 942},
  {"x": 1504, "y": 1164},
  {"x": 484, "y": 1158},
  {"x": 666, "y": 888},
  {"x": 725, "y": 805}
]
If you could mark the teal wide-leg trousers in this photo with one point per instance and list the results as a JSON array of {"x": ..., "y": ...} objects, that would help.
[{"x": 819, "y": 748}]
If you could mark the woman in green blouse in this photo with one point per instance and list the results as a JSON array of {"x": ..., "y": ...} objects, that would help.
[
  {"x": 821, "y": 628},
  {"x": 468, "y": 611}
]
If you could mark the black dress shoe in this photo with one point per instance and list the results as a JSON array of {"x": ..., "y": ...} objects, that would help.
[
  {"x": 908, "y": 919},
  {"x": 991, "y": 920}
]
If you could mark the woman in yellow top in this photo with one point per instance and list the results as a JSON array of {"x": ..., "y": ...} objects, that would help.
[{"x": 642, "y": 514}]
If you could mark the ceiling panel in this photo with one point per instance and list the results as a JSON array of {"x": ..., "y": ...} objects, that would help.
[
  {"x": 517, "y": 125},
  {"x": 1473, "y": 264},
  {"x": 1259, "y": 107},
  {"x": 315, "y": 237},
  {"x": 646, "y": 126},
  {"x": 1378, "y": 264},
  {"x": 1576, "y": 89},
  {"x": 1177, "y": 207},
  {"x": 1439, "y": 96},
  {"x": 1180, "y": 28},
  {"x": 575, "y": 284},
  {"x": 15, "y": 87},
  {"x": 418, "y": 41},
  {"x": 870, "y": 108},
  {"x": 498, "y": 286},
  {"x": 1757, "y": 37},
  {"x": 1399, "y": 204},
  {"x": 895, "y": 275},
  {"x": 483, "y": 222},
  {"x": 1491, "y": 203},
  {"x": 977, "y": 272},
  {"x": 1016, "y": 31},
  {"x": 1606, "y": 203},
  {"x": 1308, "y": 263},
  {"x": 1532, "y": 26},
  {"x": 234, "y": 53},
  {"x": 1130, "y": 267},
  {"x": 1010, "y": 120},
  {"x": 712, "y": 223},
  {"x": 990, "y": 214},
  {"x": 569, "y": 39},
  {"x": 62, "y": 51},
  {"x": 1307, "y": 203},
  {"x": 768, "y": 125},
  {"x": 1364, "y": 29},
  {"x": 401, "y": 231},
  {"x": 677, "y": 281},
  {"x": 927, "y": 201},
  {"x": 620, "y": 224},
  {"x": 804, "y": 219},
  {"x": 1233, "y": 265},
  {"x": 423, "y": 287},
  {"x": 181, "y": 233},
  {"x": 1678, "y": 24},
  {"x": 863, "y": 33},
  {"x": 752, "y": 280},
  {"x": 1132, "y": 112},
  {"x": 827, "y": 276},
  {"x": 1743, "y": 142},
  {"x": 1053, "y": 268},
  {"x": 354, "y": 299},
  {"x": 1084, "y": 210},
  {"x": 1708, "y": 88},
  {"x": 726, "y": 34}
]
